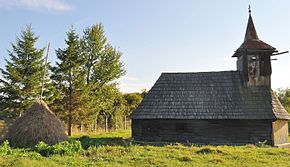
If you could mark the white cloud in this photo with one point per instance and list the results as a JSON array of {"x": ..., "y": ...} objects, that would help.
[
  {"x": 132, "y": 87},
  {"x": 51, "y": 5},
  {"x": 129, "y": 84}
]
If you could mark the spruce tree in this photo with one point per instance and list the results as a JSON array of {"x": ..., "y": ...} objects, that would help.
[
  {"x": 69, "y": 78},
  {"x": 22, "y": 76}
]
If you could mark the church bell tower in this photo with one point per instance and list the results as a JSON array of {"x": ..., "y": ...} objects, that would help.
[{"x": 254, "y": 57}]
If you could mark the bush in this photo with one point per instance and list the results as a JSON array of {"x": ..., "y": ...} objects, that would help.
[
  {"x": 5, "y": 148},
  {"x": 67, "y": 147},
  {"x": 85, "y": 141},
  {"x": 43, "y": 149},
  {"x": 63, "y": 148}
]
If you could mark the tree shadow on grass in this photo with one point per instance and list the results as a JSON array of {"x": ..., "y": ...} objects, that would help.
[{"x": 88, "y": 141}]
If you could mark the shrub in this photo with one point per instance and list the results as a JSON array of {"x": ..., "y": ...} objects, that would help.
[
  {"x": 67, "y": 147},
  {"x": 63, "y": 148},
  {"x": 43, "y": 149},
  {"x": 85, "y": 141},
  {"x": 5, "y": 148}
]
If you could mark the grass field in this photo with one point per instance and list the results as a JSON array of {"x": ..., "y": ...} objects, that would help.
[{"x": 114, "y": 149}]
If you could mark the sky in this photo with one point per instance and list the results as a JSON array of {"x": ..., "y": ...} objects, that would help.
[{"x": 156, "y": 36}]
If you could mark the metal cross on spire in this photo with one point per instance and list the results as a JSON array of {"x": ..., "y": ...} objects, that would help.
[{"x": 250, "y": 9}]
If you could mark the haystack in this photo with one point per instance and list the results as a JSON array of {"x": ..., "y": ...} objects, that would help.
[{"x": 37, "y": 124}]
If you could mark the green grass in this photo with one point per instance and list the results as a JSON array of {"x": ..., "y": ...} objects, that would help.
[{"x": 113, "y": 149}]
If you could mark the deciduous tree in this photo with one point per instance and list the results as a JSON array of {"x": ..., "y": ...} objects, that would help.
[
  {"x": 284, "y": 98},
  {"x": 103, "y": 63}
]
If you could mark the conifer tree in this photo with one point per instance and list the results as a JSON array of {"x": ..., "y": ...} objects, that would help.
[
  {"x": 22, "y": 76},
  {"x": 69, "y": 78}
]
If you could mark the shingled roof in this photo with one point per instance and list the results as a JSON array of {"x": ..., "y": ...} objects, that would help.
[{"x": 208, "y": 95}]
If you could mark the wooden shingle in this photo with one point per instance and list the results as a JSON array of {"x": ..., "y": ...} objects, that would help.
[{"x": 208, "y": 95}]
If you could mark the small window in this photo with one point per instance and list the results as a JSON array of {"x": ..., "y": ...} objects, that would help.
[{"x": 182, "y": 127}]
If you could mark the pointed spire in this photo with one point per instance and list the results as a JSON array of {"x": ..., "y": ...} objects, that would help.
[
  {"x": 251, "y": 40},
  {"x": 251, "y": 33}
]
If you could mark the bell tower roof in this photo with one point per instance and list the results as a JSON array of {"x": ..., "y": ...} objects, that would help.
[
  {"x": 251, "y": 33},
  {"x": 252, "y": 41}
]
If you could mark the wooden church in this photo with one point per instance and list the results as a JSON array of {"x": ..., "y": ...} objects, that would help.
[{"x": 226, "y": 107}]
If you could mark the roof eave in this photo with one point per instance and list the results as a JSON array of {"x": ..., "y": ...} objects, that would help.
[{"x": 242, "y": 51}]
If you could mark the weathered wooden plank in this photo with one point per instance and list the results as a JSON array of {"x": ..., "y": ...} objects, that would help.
[
  {"x": 280, "y": 132},
  {"x": 204, "y": 131}
]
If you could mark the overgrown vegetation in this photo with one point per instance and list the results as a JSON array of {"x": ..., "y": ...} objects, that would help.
[{"x": 114, "y": 149}]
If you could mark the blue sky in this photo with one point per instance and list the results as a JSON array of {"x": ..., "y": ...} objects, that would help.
[{"x": 156, "y": 35}]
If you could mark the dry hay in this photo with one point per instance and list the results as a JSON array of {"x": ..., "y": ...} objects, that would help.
[{"x": 37, "y": 124}]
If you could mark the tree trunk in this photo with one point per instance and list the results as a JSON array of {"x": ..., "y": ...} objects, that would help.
[
  {"x": 116, "y": 123},
  {"x": 70, "y": 105},
  {"x": 106, "y": 124},
  {"x": 81, "y": 127},
  {"x": 125, "y": 122},
  {"x": 96, "y": 125},
  {"x": 69, "y": 127},
  {"x": 89, "y": 65}
]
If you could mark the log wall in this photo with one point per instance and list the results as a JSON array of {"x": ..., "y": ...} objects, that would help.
[{"x": 234, "y": 132}]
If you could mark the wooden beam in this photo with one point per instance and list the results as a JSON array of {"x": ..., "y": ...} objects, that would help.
[{"x": 275, "y": 54}]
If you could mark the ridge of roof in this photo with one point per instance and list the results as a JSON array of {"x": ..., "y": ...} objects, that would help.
[{"x": 202, "y": 72}]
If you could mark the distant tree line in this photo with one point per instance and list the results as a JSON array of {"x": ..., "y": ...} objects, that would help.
[{"x": 80, "y": 88}]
